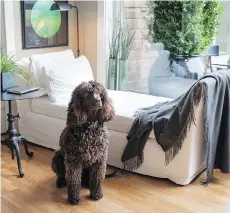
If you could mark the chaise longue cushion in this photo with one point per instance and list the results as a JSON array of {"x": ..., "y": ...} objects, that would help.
[{"x": 125, "y": 103}]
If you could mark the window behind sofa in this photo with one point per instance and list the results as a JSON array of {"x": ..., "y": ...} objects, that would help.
[{"x": 143, "y": 54}]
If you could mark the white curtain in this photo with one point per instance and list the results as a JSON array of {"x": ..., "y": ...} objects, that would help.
[{"x": 223, "y": 39}]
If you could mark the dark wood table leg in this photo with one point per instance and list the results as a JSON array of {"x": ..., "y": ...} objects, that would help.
[
  {"x": 17, "y": 151},
  {"x": 12, "y": 154},
  {"x": 21, "y": 139},
  {"x": 12, "y": 142}
]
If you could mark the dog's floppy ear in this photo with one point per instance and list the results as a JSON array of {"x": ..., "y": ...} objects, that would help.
[
  {"x": 107, "y": 112},
  {"x": 76, "y": 114}
]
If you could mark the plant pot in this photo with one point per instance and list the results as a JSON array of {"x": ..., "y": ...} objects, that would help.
[
  {"x": 113, "y": 74},
  {"x": 191, "y": 67},
  {"x": 123, "y": 75},
  {"x": 7, "y": 81}
]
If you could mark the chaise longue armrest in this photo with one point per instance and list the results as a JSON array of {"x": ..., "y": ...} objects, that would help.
[{"x": 169, "y": 87}]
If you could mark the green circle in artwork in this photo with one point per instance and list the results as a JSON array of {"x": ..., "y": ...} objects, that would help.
[{"x": 45, "y": 22}]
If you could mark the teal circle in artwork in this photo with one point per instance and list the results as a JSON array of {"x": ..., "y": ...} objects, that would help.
[{"x": 45, "y": 22}]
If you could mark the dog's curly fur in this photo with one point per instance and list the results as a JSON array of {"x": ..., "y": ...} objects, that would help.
[{"x": 84, "y": 141}]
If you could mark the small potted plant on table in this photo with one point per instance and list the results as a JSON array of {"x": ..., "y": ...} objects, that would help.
[{"x": 9, "y": 69}]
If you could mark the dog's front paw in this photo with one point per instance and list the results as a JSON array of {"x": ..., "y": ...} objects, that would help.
[
  {"x": 60, "y": 182},
  {"x": 73, "y": 201},
  {"x": 96, "y": 196}
]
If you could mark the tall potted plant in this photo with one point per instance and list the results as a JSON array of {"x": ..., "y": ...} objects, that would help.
[
  {"x": 186, "y": 28},
  {"x": 120, "y": 47},
  {"x": 114, "y": 47},
  {"x": 126, "y": 44},
  {"x": 9, "y": 69}
]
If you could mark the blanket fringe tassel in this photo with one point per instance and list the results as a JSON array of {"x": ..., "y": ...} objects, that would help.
[
  {"x": 198, "y": 94},
  {"x": 133, "y": 163}
]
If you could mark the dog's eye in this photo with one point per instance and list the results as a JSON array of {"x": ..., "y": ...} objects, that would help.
[{"x": 102, "y": 97}]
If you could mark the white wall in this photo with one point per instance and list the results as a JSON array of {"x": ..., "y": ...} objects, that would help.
[
  {"x": 14, "y": 33},
  {"x": 92, "y": 19},
  {"x": 101, "y": 45},
  {"x": 88, "y": 31}
]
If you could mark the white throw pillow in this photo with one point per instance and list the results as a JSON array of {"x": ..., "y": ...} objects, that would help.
[
  {"x": 40, "y": 60},
  {"x": 61, "y": 79}
]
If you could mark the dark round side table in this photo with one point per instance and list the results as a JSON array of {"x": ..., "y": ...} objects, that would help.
[{"x": 13, "y": 137}]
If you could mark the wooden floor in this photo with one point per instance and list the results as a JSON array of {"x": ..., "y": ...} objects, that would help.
[{"x": 128, "y": 193}]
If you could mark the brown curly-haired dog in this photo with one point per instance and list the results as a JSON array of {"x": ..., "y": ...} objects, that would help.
[{"x": 84, "y": 141}]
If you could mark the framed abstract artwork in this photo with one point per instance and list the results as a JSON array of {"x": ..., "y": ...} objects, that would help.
[{"x": 41, "y": 26}]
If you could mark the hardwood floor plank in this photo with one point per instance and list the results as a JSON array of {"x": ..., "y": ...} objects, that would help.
[
  {"x": 126, "y": 193},
  {"x": 7, "y": 184},
  {"x": 8, "y": 207},
  {"x": 21, "y": 204}
]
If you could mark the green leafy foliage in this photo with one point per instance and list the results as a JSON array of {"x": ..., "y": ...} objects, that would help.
[
  {"x": 121, "y": 42},
  {"x": 126, "y": 42},
  {"x": 184, "y": 27},
  {"x": 8, "y": 64},
  {"x": 114, "y": 44},
  {"x": 211, "y": 15}
]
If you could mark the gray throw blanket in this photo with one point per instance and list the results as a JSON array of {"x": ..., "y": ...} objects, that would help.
[{"x": 171, "y": 120}]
